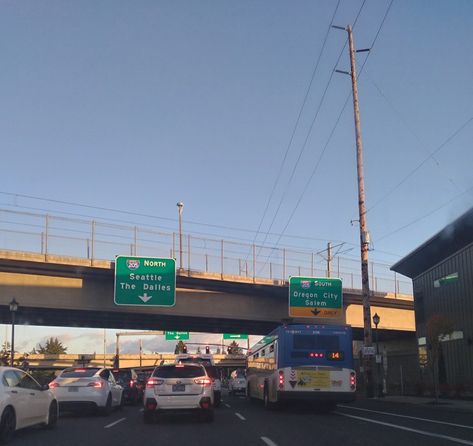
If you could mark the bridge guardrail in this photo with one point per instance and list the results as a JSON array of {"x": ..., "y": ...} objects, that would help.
[{"x": 101, "y": 240}]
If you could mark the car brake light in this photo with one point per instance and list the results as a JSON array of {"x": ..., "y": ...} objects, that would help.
[
  {"x": 281, "y": 379},
  {"x": 53, "y": 385},
  {"x": 203, "y": 381},
  {"x": 154, "y": 382},
  {"x": 132, "y": 383},
  {"x": 96, "y": 384}
]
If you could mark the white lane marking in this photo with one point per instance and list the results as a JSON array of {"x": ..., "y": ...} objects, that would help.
[
  {"x": 268, "y": 441},
  {"x": 407, "y": 416},
  {"x": 409, "y": 429},
  {"x": 115, "y": 422},
  {"x": 228, "y": 405},
  {"x": 240, "y": 416}
]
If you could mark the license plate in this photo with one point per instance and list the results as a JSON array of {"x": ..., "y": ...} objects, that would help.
[
  {"x": 73, "y": 389},
  {"x": 178, "y": 387}
]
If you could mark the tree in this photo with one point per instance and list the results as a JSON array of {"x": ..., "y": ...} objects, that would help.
[
  {"x": 234, "y": 349},
  {"x": 53, "y": 346},
  {"x": 437, "y": 327},
  {"x": 5, "y": 354},
  {"x": 180, "y": 348}
]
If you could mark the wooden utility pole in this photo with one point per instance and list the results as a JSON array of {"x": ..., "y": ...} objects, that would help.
[
  {"x": 364, "y": 235},
  {"x": 329, "y": 259}
]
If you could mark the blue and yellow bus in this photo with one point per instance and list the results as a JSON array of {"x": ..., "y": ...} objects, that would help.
[{"x": 303, "y": 362}]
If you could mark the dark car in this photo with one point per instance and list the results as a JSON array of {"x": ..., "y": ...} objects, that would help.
[{"x": 133, "y": 387}]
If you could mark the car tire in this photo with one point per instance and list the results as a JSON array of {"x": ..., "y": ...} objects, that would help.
[
  {"x": 107, "y": 410},
  {"x": 52, "y": 416},
  {"x": 7, "y": 425},
  {"x": 149, "y": 417}
]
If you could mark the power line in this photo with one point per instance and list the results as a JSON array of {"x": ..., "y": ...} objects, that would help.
[
  {"x": 304, "y": 145},
  {"x": 430, "y": 156},
  {"x": 336, "y": 123},
  {"x": 411, "y": 130},
  {"x": 297, "y": 122},
  {"x": 426, "y": 215}
]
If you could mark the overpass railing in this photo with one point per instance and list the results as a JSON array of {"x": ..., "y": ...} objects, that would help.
[{"x": 100, "y": 240}]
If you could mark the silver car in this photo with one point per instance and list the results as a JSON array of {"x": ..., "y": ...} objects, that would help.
[{"x": 179, "y": 388}]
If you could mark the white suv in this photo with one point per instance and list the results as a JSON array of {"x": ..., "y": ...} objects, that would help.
[
  {"x": 207, "y": 361},
  {"x": 178, "y": 388}
]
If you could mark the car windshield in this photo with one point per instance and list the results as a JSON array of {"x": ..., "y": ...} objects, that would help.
[
  {"x": 79, "y": 373},
  {"x": 179, "y": 371}
]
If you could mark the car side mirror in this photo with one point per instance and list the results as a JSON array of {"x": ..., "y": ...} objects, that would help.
[{"x": 44, "y": 387}]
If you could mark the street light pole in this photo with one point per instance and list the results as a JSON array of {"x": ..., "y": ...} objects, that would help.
[
  {"x": 13, "y": 310},
  {"x": 180, "y": 206},
  {"x": 376, "y": 320}
]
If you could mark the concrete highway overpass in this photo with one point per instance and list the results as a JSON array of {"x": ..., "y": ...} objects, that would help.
[{"x": 75, "y": 292}]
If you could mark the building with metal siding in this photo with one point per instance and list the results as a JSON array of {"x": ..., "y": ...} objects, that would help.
[{"x": 442, "y": 273}]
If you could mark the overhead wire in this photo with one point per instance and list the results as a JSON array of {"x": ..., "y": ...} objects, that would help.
[
  {"x": 389, "y": 234},
  {"x": 296, "y": 125},
  {"x": 336, "y": 122},
  {"x": 413, "y": 171}
]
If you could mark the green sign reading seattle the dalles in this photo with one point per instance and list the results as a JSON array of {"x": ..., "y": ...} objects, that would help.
[
  {"x": 145, "y": 281},
  {"x": 234, "y": 336}
]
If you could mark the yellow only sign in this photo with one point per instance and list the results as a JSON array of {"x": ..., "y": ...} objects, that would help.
[{"x": 315, "y": 312}]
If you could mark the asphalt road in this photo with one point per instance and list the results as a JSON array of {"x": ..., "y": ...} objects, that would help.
[{"x": 237, "y": 423}]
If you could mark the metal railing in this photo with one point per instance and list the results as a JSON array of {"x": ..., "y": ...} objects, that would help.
[{"x": 100, "y": 240}]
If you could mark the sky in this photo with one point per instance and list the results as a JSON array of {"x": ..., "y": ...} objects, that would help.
[{"x": 116, "y": 110}]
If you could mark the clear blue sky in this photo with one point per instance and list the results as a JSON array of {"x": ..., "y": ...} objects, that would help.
[{"x": 137, "y": 105}]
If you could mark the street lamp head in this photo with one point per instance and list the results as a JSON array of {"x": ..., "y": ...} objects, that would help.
[
  {"x": 180, "y": 205},
  {"x": 13, "y": 305},
  {"x": 376, "y": 319}
]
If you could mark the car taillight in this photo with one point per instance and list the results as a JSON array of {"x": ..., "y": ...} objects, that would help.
[
  {"x": 132, "y": 383},
  {"x": 154, "y": 382},
  {"x": 281, "y": 379},
  {"x": 203, "y": 381},
  {"x": 352, "y": 380},
  {"x": 53, "y": 385},
  {"x": 95, "y": 384}
]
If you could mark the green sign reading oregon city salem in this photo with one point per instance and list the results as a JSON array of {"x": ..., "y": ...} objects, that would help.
[
  {"x": 145, "y": 281},
  {"x": 315, "y": 297}
]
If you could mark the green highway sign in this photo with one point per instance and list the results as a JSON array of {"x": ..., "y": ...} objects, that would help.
[
  {"x": 315, "y": 297},
  {"x": 176, "y": 335},
  {"x": 234, "y": 336},
  {"x": 145, "y": 281}
]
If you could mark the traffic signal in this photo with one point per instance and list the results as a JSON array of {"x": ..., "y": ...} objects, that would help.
[
  {"x": 207, "y": 350},
  {"x": 116, "y": 362}
]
